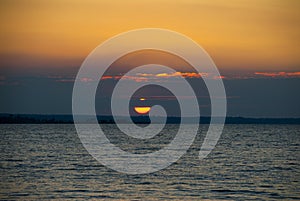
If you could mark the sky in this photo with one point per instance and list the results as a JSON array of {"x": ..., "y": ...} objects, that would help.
[{"x": 254, "y": 43}]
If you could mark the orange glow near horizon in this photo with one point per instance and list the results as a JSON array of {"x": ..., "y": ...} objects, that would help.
[
  {"x": 258, "y": 35},
  {"x": 142, "y": 110}
]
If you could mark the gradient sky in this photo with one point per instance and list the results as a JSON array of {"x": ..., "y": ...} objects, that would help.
[
  {"x": 43, "y": 43},
  {"x": 240, "y": 34}
]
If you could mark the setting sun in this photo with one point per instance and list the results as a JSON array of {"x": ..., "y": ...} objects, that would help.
[{"x": 142, "y": 110}]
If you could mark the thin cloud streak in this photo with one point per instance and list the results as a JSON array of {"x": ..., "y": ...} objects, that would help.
[
  {"x": 163, "y": 77},
  {"x": 278, "y": 74},
  {"x": 145, "y": 77}
]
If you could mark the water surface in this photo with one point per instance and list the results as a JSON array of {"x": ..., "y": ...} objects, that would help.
[{"x": 250, "y": 162}]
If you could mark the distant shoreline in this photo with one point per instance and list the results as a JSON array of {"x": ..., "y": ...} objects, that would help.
[{"x": 68, "y": 119}]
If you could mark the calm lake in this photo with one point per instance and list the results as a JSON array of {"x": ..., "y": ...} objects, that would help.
[{"x": 250, "y": 162}]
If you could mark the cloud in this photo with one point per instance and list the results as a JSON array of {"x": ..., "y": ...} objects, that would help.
[
  {"x": 106, "y": 77},
  {"x": 86, "y": 79},
  {"x": 181, "y": 74},
  {"x": 139, "y": 77},
  {"x": 175, "y": 74},
  {"x": 219, "y": 77},
  {"x": 144, "y": 77},
  {"x": 65, "y": 80},
  {"x": 165, "y": 77},
  {"x": 278, "y": 74}
]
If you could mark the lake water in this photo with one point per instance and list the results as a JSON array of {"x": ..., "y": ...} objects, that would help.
[{"x": 250, "y": 162}]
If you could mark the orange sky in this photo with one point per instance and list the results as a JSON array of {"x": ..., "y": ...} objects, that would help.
[{"x": 258, "y": 35}]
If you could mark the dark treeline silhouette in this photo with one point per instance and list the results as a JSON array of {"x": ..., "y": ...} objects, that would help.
[{"x": 68, "y": 119}]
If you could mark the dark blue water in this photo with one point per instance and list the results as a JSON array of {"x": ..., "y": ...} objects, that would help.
[{"x": 250, "y": 162}]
